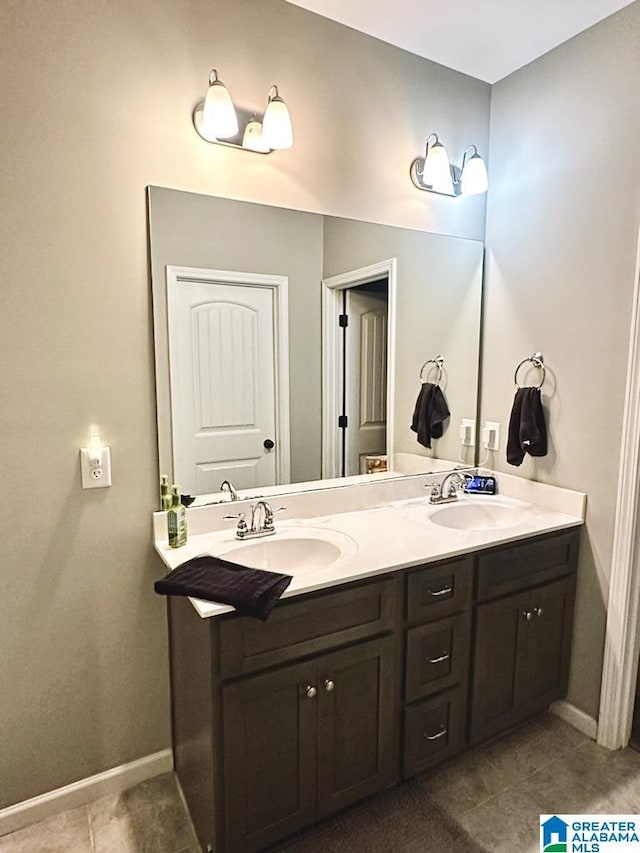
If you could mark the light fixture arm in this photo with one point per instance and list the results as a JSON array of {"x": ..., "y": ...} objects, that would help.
[{"x": 464, "y": 156}]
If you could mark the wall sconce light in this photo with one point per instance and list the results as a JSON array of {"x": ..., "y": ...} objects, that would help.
[
  {"x": 217, "y": 120},
  {"x": 434, "y": 173}
]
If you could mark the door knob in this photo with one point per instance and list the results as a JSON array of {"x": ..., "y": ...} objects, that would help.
[
  {"x": 268, "y": 444},
  {"x": 310, "y": 691},
  {"x": 329, "y": 685}
]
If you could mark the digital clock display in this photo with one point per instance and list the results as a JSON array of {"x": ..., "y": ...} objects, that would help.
[{"x": 478, "y": 485}]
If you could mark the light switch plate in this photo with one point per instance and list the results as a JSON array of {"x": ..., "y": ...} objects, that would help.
[
  {"x": 491, "y": 435},
  {"x": 467, "y": 432}
]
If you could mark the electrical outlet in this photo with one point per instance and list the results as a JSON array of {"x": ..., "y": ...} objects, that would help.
[{"x": 95, "y": 466}]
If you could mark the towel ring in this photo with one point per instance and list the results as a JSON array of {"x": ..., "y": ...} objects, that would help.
[
  {"x": 537, "y": 359},
  {"x": 439, "y": 363}
]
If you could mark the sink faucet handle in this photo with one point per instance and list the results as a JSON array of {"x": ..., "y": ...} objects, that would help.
[
  {"x": 269, "y": 513},
  {"x": 241, "y": 529}
]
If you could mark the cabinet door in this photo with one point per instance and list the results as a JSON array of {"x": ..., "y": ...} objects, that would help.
[
  {"x": 544, "y": 670},
  {"x": 500, "y": 647},
  {"x": 269, "y": 756},
  {"x": 357, "y": 691}
]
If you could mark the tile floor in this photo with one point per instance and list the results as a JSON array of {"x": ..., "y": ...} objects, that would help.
[{"x": 496, "y": 792}]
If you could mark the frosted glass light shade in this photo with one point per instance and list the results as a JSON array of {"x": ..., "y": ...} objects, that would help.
[
  {"x": 277, "y": 131},
  {"x": 219, "y": 118},
  {"x": 253, "y": 138},
  {"x": 437, "y": 172},
  {"x": 474, "y": 178}
]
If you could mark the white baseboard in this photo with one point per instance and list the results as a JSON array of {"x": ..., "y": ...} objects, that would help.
[
  {"x": 113, "y": 781},
  {"x": 576, "y": 718}
]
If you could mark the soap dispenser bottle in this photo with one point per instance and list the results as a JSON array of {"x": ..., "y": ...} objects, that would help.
[
  {"x": 176, "y": 520},
  {"x": 165, "y": 495}
]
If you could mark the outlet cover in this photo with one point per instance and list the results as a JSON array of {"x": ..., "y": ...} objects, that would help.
[
  {"x": 467, "y": 432},
  {"x": 96, "y": 474}
]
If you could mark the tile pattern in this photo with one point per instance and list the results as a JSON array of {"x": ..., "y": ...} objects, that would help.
[
  {"x": 495, "y": 792},
  {"x": 149, "y": 818}
]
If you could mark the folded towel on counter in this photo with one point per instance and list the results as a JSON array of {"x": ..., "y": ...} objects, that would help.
[
  {"x": 527, "y": 428},
  {"x": 251, "y": 591},
  {"x": 429, "y": 414}
]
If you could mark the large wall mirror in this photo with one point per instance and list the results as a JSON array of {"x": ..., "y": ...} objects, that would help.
[{"x": 294, "y": 347}]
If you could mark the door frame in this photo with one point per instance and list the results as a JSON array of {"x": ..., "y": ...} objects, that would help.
[
  {"x": 279, "y": 285},
  {"x": 332, "y": 353},
  {"x": 622, "y": 635}
]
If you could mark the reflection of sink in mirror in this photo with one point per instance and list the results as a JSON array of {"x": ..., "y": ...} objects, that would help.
[
  {"x": 292, "y": 551},
  {"x": 477, "y": 516}
]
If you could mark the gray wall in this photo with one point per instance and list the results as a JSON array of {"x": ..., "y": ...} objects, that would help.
[
  {"x": 97, "y": 101},
  {"x": 562, "y": 233}
]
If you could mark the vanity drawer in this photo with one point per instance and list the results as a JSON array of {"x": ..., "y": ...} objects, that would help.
[
  {"x": 512, "y": 569},
  {"x": 306, "y": 626},
  {"x": 433, "y": 730},
  {"x": 440, "y": 590},
  {"x": 437, "y": 656}
]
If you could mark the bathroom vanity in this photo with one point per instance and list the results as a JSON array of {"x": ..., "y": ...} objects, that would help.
[{"x": 364, "y": 681}]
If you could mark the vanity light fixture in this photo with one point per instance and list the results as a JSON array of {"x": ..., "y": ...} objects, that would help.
[
  {"x": 434, "y": 173},
  {"x": 217, "y": 120}
]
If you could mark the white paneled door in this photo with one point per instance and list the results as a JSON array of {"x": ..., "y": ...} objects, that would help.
[
  {"x": 224, "y": 379},
  {"x": 365, "y": 377}
]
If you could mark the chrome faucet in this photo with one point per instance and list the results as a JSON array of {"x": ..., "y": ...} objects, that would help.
[
  {"x": 261, "y": 521},
  {"x": 447, "y": 490},
  {"x": 227, "y": 486}
]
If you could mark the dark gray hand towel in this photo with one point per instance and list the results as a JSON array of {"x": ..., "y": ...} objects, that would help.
[
  {"x": 429, "y": 414},
  {"x": 527, "y": 428},
  {"x": 251, "y": 591}
]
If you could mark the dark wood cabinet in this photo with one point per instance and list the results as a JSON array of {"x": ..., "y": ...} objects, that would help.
[
  {"x": 269, "y": 756},
  {"x": 522, "y": 646},
  {"x": 345, "y": 691},
  {"x": 307, "y": 740}
]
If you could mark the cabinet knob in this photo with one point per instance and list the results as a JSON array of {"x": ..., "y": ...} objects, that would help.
[
  {"x": 329, "y": 685},
  {"x": 538, "y": 611},
  {"x": 528, "y": 615},
  {"x": 310, "y": 691}
]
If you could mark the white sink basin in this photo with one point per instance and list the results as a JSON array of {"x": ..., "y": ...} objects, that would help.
[
  {"x": 477, "y": 516},
  {"x": 292, "y": 551}
]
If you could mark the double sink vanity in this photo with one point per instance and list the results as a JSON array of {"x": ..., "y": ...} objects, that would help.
[{"x": 409, "y": 632}]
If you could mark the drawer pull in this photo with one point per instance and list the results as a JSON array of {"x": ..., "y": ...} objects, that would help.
[
  {"x": 310, "y": 691},
  {"x": 444, "y": 656},
  {"x": 440, "y": 734},
  {"x": 444, "y": 591},
  {"x": 329, "y": 685}
]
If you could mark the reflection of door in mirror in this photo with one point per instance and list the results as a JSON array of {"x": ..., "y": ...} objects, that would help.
[
  {"x": 224, "y": 378},
  {"x": 365, "y": 377}
]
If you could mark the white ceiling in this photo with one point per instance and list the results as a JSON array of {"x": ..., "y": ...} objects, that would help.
[{"x": 488, "y": 39}]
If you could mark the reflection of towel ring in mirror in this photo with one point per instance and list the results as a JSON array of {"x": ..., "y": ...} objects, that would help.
[
  {"x": 537, "y": 359},
  {"x": 439, "y": 363}
]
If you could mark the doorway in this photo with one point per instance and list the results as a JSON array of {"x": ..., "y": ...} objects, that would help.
[{"x": 358, "y": 362}]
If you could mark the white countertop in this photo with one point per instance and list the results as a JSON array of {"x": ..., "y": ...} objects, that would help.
[{"x": 388, "y": 536}]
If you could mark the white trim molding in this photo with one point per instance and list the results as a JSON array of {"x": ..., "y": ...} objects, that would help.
[
  {"x": 576, "y": 718},
  {"x": 279, "y": 285},
  {"x": 619, "y": 672},
  {"x": 332, "y": 356},
  {"x": 112, "y": 782}
]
